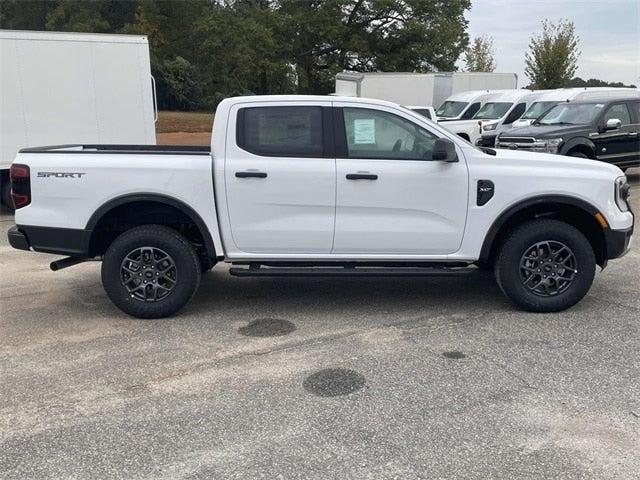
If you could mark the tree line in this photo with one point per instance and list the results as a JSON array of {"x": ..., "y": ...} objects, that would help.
[{"x": 205, "y": 50}]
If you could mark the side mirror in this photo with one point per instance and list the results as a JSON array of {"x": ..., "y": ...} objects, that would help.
[
  {"x": 444, "y": 150},
  {"x": 612, "y": 124}
]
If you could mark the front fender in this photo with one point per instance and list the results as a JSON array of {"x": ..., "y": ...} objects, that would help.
[{"x": 575, "y": 142}]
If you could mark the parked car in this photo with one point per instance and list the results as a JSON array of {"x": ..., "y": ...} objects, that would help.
[
  {"x": 606, "y": 130},
  {"x": 321, "y": 185},
  {"x": 553, "y": 97},
  {"x": 418, "y": 88},
  {"x": 427, "y": 112},
  {"x": 73, "y": 87},
  {"x": 463, "y": 106},
  {"x": 490, "y": 130},
  {"x": 499, "y": 109}
]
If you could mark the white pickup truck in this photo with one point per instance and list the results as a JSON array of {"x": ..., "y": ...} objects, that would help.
[{"x": 312, "y": 185}]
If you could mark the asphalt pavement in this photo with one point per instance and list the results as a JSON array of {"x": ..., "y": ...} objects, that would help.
[{"x": 309, "y": 378}]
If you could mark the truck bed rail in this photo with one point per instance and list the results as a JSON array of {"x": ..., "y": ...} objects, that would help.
[{"x": 116, "y": 149}]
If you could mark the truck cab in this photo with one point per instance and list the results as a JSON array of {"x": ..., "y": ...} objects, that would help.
[
  {"x": 600, "y": 129},
  {"x": 463, "y": 106},
  {"x": 551, "y": 98},
  {"x": 498, "y": 110}
]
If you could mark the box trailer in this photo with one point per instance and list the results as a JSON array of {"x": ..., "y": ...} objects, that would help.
[
  {"x": 427, "y": 89},
  {"x": 58, "y": 88}
]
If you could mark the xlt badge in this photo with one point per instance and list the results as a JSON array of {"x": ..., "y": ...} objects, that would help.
[{"x": 485, "y": 191}]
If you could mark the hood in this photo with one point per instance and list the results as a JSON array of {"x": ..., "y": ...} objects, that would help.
[
  {"x": 522, "y": 122},
  {"x": 545, "y": 131},
  {"x": 551, "y": 163},
  {"x": 461, "y": 124}
]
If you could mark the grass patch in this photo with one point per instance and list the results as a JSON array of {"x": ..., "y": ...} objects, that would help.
[{"x": 191, "y": 122}]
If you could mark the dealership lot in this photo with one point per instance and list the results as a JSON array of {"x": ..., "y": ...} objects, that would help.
[{"x": 317, "y": 378}]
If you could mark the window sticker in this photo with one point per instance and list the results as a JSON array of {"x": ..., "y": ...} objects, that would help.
[{"x": 364, "y": 131}]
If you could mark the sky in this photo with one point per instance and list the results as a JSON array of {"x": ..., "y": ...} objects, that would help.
[{"x": 609, "y": 32}]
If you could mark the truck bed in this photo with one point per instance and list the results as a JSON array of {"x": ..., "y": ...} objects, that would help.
[{"x": 115, "y": 149}]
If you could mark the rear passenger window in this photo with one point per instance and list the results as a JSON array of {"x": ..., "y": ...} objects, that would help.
[
  {"x": 280, "y": 131},
  {"x": 619, "y": 111},
  {"x": 471, "y": 111}
]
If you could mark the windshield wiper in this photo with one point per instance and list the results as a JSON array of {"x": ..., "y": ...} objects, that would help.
[{"x": 556, "y": 123}]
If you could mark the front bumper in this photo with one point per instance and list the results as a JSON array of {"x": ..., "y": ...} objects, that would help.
[{"x": 618, "y": 242}]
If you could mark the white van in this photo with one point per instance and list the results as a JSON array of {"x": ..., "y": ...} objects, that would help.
[
  {"x": 498, "y": 109},
  {"x": 553, "y": 97},
  {"x": 463, "y": 106},
  {"x": 58, "y": 88}
]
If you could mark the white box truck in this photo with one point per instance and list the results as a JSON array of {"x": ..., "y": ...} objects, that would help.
[
  {"x": 61, "y": 87},
  {"x": 425, "y": 89}
]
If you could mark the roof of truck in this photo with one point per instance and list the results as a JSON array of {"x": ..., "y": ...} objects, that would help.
[
  {"x": 305, "y": 98},
  {"x": 510, "y": 96},
  {"x": 471, "y": 95},
  {"x": 566, "y": 94}
]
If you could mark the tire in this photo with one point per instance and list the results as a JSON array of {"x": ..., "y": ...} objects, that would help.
[
  {"x": 578, "y": 155},
  {"x": 173, "y": 272},
  {"x": 516, "y": 273}
]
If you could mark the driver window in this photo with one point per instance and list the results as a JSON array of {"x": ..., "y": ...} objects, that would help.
[
  {"x": 619, "y": 111},
  {"x": 383, "y": 135}
]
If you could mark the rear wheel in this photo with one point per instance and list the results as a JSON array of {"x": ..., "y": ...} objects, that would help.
[
  {"x": 150, "y": 271},
  {"x": 545, "y": 266}
]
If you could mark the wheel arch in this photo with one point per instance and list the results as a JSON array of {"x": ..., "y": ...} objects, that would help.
[
  {"x": 150, "y": 198},
  {"x": 580, "y": 144},
  {"x": 574, "y": 211}
]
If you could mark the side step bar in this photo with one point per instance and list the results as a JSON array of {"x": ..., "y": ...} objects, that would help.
[{"x": 254, "y": 271}]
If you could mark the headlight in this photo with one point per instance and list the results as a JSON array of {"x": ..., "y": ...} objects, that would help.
[
  {"x": 489, "y": 126},
  {"x": 551, "y": 145},
  {"x": 622, "y": 193}
]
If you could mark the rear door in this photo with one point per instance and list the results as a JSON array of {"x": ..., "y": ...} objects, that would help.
[
  {"x": 392, "y": 199},
  {"x": 280, "y": 178}
]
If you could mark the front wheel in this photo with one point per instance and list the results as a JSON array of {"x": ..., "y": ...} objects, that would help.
[
  {"x": 545, "y": 266},
  {"x": 150, "y": 271}
]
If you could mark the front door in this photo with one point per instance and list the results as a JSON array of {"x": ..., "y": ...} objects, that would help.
[
  {"x": 392, "y": 199},
  {"x": 280, "y": 185},
  {"x": 618, "y": 146}
]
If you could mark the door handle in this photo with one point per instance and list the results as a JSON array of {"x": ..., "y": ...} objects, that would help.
[
  {"x": 251, "y": 174},
  {"x": 633, "y": 134},
  {"x": 362, "y": 176}
]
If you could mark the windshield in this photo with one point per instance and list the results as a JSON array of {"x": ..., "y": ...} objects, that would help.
[
  {"x": 451, "y": 109},
  {"x": 537, "y": 109},
  {"x": 571, "y": 114},
  {"x": 493, "y": 110}
]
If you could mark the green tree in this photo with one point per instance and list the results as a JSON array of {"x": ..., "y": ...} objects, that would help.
[
  {"x": 21, "y": 15},
  {"x": 374, "y": 35},
  {"x": 478, "y": 57},
  {"x": 552, "y": 59},
  {"x": 78, "y": 16},
  {"x": 594, "y": 82}
]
